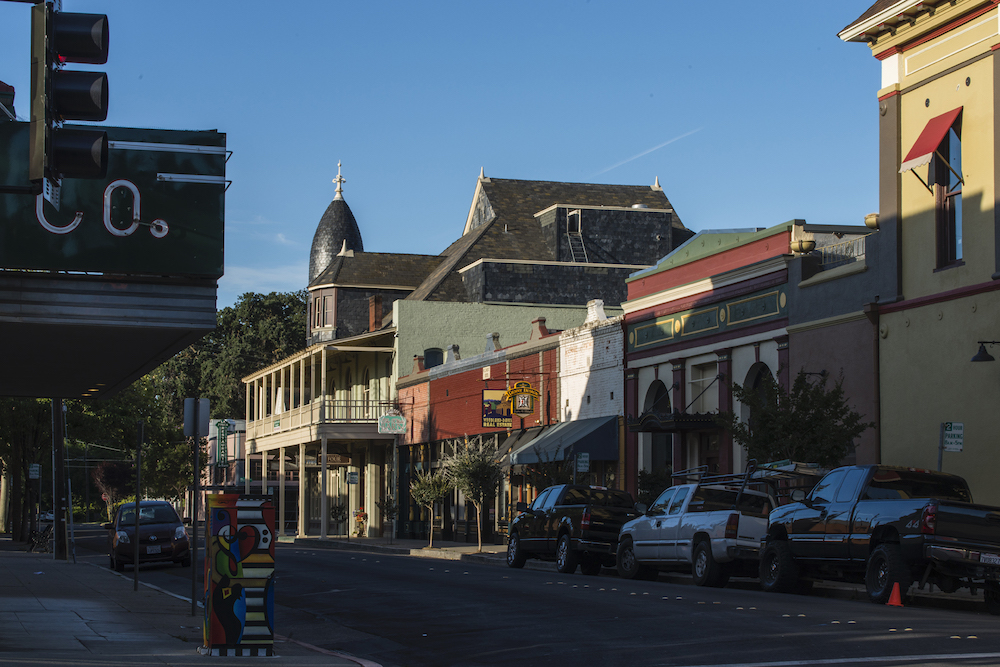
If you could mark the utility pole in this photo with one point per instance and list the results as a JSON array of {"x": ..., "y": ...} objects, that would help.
[{"x": 59, "y": 503}]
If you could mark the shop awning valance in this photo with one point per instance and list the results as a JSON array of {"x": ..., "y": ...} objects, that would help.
[
  {"x": 597, "y": 437},
  {"x": 929, "y": 140},
  {"x": 661, "y": 421}
]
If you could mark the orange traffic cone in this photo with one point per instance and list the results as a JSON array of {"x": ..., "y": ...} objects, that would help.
[{"x": 894, "y": 598}]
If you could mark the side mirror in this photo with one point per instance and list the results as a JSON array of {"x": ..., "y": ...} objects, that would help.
[
  {"x": 641, "y": 508},
  {"x": 521, "y": 507},
  {"x": 187, "y": 521},
  {"x": 797, "y": 495}
]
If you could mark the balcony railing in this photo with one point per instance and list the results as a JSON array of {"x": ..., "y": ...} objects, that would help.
[
  {"x": 838, "y": 254},
  {"x": 321, "y": 411}
]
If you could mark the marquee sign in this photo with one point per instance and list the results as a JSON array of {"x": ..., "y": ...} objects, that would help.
[{"x": 159, "y": 211}]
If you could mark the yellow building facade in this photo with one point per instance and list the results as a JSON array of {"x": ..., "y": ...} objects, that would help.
[{"x": 939, "y": 224}]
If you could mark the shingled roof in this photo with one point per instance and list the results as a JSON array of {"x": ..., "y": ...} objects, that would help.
[
  {"x": 515, "y": 233},
  {"x": 378, "y": 269}
]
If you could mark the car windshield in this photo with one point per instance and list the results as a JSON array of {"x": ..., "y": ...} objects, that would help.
[{"x": 149, "y": 515}]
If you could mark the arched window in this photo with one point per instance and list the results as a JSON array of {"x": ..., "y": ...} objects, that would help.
[
  {"x": 433, "y": 356},
  {"x": 755, "y": 381},
  {"x": 658, "y": 400}
]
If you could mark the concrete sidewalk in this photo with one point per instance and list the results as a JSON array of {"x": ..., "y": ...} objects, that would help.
[{"x": 59, "y": 613}]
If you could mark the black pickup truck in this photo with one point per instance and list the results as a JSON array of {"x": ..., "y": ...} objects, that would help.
[
  {"x": 884, "y": 525},
  {"x": 571, "y": 524}
]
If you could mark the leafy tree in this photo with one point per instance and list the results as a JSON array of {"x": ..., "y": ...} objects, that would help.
[
  {"x": 428, "y": 489},
  {"x": 115, "y": 479},
  {"x": 25, "y": 430},
  {"x": 805, "y": 423},
  {"x": 258, "y": 331},
  {"x": 651, "y": 485},
  {"x": 475, "y": 470}
]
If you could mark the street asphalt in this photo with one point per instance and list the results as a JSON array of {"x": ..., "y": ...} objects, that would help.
[{"x": 60, "y": 613}]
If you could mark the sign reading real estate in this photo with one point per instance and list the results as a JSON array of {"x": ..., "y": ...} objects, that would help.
[
  {"x": 159, "y": 211},
  {"x": 496, "y": 412}
]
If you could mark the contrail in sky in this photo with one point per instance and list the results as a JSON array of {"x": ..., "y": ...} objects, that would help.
[{"x": 647, "y": 152}]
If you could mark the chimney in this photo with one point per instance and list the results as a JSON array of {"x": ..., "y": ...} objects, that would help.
[
  {"x": 538, "y": 329},
  {"x": 418, "y": 364},
  {"x": 452, "y": 355},
  {"x": 492, "y": 342},
  {"x": 375, "y": 312},
  {"x": 595, "y": 311}
]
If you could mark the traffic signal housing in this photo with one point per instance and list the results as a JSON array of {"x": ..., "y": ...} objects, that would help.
[{"x": 58, "y": 95}]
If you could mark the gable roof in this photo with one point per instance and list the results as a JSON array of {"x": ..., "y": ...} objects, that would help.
[
  {"x": 378, "y": 269},
  {"x": 515, "y": 233}
]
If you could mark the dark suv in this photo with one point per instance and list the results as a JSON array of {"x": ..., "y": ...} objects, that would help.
[{"x": 162, "y": 536}]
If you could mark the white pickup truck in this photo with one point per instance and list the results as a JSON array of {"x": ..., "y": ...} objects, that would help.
[{"x": 715, "y": 529}]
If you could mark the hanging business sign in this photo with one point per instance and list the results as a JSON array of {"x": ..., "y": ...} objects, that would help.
[
  {"x": 521, "y": 397},
  {"x": 159, "y": 211},
  {"x": 222, "y": 446},
  {"x": 392, "y": 424},
  {"x": 496, "y": 413}
]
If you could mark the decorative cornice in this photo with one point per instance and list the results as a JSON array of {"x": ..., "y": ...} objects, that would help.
[{"x": 709, "y": 284}]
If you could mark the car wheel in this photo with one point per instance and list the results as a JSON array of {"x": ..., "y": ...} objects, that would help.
[
  {"x": 992, "y": 597},
  {"x": 111, "y": 562},
  {"x": 591, "y": 568},
  {"x": 778, "y": 570},
  {"x": 704, "y": 568},
  {"x": 886, "y": 568},
  {"x": 565, "y": 556},
  {"x": 627, "y": 565},
  {"x": 117, "y": 565},
  {"x": 186, "y": 561},
  {"x": 515, "y": 554}
]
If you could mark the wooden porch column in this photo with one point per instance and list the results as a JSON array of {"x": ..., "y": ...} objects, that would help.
[
  {"x": 302, "y": 382},
  {"x": 246, "y": 467},
  {"x": 324, "y": 499},
  {"x": 281, "y": 491},
  {"x": 322, "y": 389},
  {"x": 303, "y": 510}
]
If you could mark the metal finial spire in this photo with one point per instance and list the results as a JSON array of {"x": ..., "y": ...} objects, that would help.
[{"x": 340, "y": 180}]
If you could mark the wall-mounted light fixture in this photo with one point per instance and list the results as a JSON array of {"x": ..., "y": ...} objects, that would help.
[{"x": 983, "y": 355}]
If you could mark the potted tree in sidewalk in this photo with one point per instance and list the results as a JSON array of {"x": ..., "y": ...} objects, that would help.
[
  {"x": 338, "y": 515},
  {"x": 389, "y": 509},
  {"x": 427, "y": 489},
  {"x": 475, "y": 470}
]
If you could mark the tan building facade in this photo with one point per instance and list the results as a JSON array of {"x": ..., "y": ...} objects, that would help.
[{"x": 937, "y": 192}]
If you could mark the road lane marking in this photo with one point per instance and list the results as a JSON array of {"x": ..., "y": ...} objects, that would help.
[{"x": 875, "y": 659}]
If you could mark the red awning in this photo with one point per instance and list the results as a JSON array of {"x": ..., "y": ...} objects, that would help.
[{"x": 929, "y": 140}]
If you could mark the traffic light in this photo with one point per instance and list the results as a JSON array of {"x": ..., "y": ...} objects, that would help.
[{"x": 58, "y": 95}]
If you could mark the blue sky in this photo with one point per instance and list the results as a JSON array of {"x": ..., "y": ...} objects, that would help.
[{"x": 749, "y": 114}]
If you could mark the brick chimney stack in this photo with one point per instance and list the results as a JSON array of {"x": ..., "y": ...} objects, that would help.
[{"x": 375, "y": 312}]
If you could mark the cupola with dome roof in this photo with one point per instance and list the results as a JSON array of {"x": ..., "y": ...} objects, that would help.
[{"x": 336, "y": 233}]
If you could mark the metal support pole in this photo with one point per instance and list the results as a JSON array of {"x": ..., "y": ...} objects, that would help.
[
  {"x": 194, "y": 512},
  {"x": 138, "y": 498}
]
